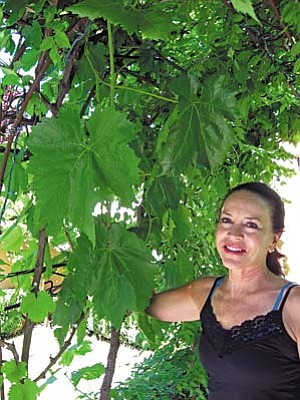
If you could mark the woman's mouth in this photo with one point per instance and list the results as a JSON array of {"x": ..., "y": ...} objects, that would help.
[{"x": 233, "y": 249}]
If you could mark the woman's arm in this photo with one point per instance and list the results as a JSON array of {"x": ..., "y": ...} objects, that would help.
[
  {"x": 182, "y": 304},
  {"x": 292, "y": 315}
]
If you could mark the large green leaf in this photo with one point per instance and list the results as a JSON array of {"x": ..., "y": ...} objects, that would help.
[
  {"x": 117, "y": 274},
  {"x": 203, "y": 130},
  {"x": 153, "y": 24},
  {"x": 125, "y": 273},
  {"x": 73, "y": 170}
]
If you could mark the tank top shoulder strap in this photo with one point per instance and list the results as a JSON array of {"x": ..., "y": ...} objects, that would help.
[
  {"x": 216, "y": 284},
  {"x": 283, "y": 295}
]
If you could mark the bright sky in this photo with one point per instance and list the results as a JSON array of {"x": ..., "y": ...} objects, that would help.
[{"x": 291, "y": 237}]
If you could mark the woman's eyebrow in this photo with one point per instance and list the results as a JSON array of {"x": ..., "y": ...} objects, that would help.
[{"x": 249, "y": 218}]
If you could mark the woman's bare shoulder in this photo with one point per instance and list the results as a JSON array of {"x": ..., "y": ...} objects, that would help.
[
  {"x": 293, "y": 302},
  {"x": 200, "y": 289},
  {"x": 291, "y": 313}
]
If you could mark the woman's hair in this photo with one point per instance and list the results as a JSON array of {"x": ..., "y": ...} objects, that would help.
[{"x": 277, "y": 216}]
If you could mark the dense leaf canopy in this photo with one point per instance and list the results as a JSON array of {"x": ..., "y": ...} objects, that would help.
[{"x": 123, "y": 124}]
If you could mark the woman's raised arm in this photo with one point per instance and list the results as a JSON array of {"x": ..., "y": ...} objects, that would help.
[{"x": 181, "y": 304}]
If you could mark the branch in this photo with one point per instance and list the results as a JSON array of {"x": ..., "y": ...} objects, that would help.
[
  {"x": 18, "y": 119},
  {"x": 20, "y": 51},
  {"x": 87, "y": 101},
  {"x": 66, "y": 81},
  {"x": 11, "y": 347},
  {"x": 278, "y": 16},
  {"x": 38, "y": 270},
  {"x": 64, "y": 347},
  {"x": 111, "y": 364},
  {"x": 51, "y": 107}
]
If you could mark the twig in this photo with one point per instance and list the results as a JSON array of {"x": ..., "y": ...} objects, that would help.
[
  {"x": 112, "y": 64},
  {"x": 278, "y": 16},
  {"x": 11, "y": 347},
  {"x": 69, "y": 239},
  {"x": 38, "y": 270},
  {"x": 87, "y": 101},
  {"x": 51, "y": 107},
  {"x": 18, "y": 119},
  {"x": 64, "y": 347},
  {"x": 2, "y": 392},
  {"x": 86, "y": 396}
]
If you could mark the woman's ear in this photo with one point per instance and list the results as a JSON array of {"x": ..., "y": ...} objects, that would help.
[{"x": 276, "y": 239}]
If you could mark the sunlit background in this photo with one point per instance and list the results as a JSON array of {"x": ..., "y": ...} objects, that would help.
[{"x": 289, "y": 189}]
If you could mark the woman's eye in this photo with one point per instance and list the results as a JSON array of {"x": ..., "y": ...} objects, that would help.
[
  {"x": 225, "y": 220},
  {"x": 251, "y": 225}
]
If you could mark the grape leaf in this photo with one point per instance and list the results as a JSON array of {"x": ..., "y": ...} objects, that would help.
[
  {"x": 245, "y": 7},
  {"x": 203, "y": 130},
  {"x": 68, "y": 166},
  {"x": 27, "y": 390},
  {"x": 75, "y": 350},
  {"x": 163, "y": 193},
  {"x": 124, "y": 272},
  {"x": 37, "y": 307},
  {"x": 13, "y": 371},
  {"x": 88, "y": 373},
  {"x": 117, "y": 274},
  {"x": 153, "y": 24}
]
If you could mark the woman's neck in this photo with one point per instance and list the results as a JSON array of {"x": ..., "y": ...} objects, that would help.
[{"x": 242, "y": 282}]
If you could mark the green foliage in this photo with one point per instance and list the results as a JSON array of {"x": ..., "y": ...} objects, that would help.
[
  {"x": 119, "y": 267},
  {"x": 153, "y": 23},
  {"x": 200, "y": 133},
  {"x": 131, "y": 120},
  {"x": 27, "y": 390},
  {"x": 37, "y": 307},
  {"x": 88, "y": 373},
  {"x": 22, "y": 387},
  {"x": 75, "y": 350},
  {"x": 74, "y": 169},
  {"x": 13, "y": 371},
  {"x": 167, "y": 374},
  {"x": 245, "y": 7}
]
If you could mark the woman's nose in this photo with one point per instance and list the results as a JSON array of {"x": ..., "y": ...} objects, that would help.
[{"x": 236, "y": 230}]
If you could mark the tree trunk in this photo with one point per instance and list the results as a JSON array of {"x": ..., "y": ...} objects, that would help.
[{"x": 111, "y": 364}]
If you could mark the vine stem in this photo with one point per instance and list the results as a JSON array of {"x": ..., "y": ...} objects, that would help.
[
  {"x": 37, "y": 275},
  {"x": 18, "y": 119},
  {"x": 112, "y": 64},
  {"x": 63, "y": 348},
  {"x": 157, "y": 96}
]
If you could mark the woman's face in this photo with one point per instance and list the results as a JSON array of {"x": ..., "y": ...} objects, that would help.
[{"x": 244, "y": 233}]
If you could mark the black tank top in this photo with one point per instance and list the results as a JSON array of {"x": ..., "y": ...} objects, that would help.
[{"x": 257, "y": 360}]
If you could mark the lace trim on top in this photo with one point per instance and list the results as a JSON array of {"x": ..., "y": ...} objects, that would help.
[{"x": 225, "y": 340}]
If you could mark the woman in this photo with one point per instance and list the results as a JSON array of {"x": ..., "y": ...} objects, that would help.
[{"x": 250, "y": 343}]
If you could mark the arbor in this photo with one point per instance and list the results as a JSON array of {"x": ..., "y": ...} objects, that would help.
[{"x": 157, "y": 107}]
